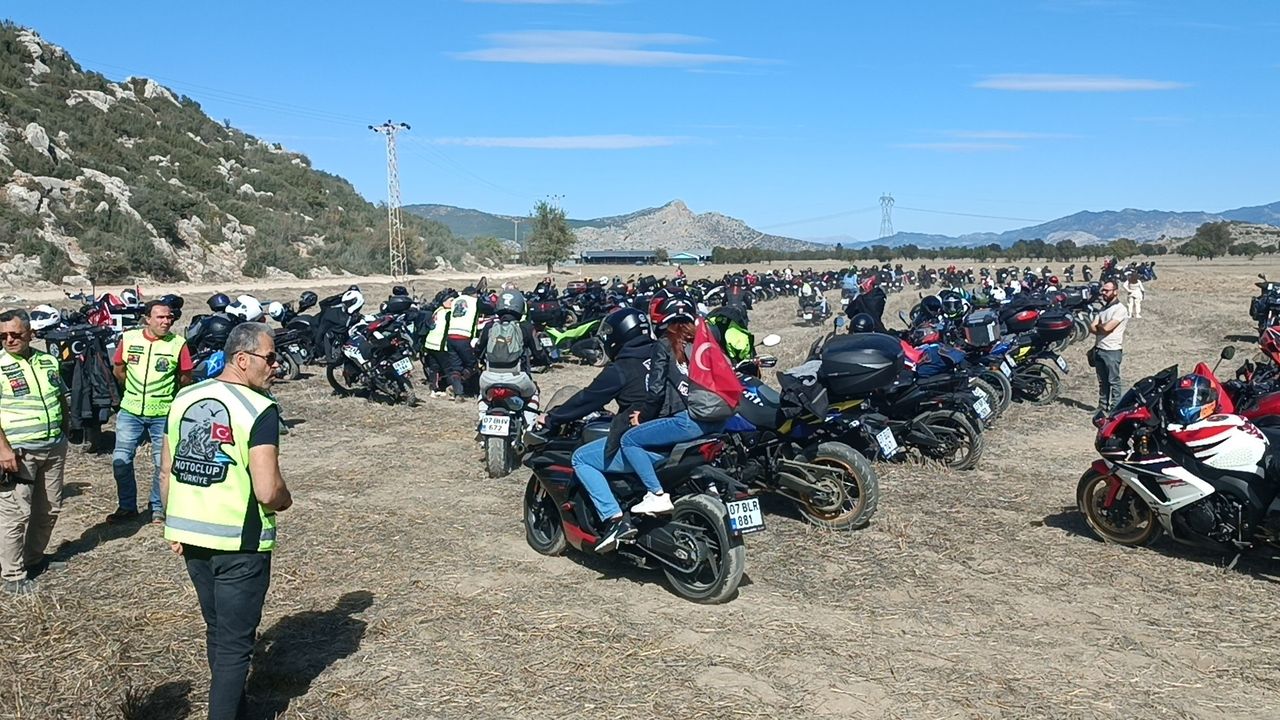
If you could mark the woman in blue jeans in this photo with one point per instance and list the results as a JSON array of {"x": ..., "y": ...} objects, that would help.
[{"x": 668, "y": 387}]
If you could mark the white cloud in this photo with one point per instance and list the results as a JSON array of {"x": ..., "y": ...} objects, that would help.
[
  {"x": 1008, "y": 135},
  {"x": 1074, "y": 83},
  {"x": 960, "y": 147},
  {"x": 565, "y": 142},
  {"x": 585, "y": 47}
]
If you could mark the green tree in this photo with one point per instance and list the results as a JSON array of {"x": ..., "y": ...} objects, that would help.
[
  {"x": 1211, "y": 240},
  {"x": 1250, "y": 248},
  {"x": 1123, "y": 248},
  {"x": 551, "y": 240},
  {"x": 660, "y": 255}
]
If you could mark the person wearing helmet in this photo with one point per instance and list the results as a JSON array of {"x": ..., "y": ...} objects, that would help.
[
  {"x": 626, "y": 337},
  {"x": 737, "y": 295},
  {"x": 506, "y": 346},
  {"x": 1107, "y": 350},
  {"x": 435, "y": 344},
  {"x": 729, "y": 326},
  {"x": 151, "y": 363}
]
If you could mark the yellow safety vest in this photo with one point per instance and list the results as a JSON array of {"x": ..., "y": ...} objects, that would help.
[
  {"x": 151, "y": 372},
  {"x": 439, "y": 325},
  {"x": 30, "y": 398},
  {"x": 211, "y": 502},
  {"x": 464, "y": 315}
]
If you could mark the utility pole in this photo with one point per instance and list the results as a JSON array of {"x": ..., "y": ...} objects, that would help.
[
  {"x": 395, "y": 232},
  {"x": 516, "y": 223},
  {"x": 886, "y": 215}
]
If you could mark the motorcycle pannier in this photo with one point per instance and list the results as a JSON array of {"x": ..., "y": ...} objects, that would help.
[
  {"x": 981, "y": 328},
  {"x": 1053, "y": 326},
  {"x": 860, "y": 364}
]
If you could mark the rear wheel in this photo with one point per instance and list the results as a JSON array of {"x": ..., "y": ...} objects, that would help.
[
  {"x": 855, "y": 501},
  {"x": 958, "y": 443},
  {"x": 498, "y": 456},
  {"x": 542, "y": 527},
  {"x": 344, "y": 378},
  {"x": 1129, "y": 521},
  {"x": 290, "y": 366},
  {"x": 714, "y": 558},
  {"x": 1040, "y": 383}
]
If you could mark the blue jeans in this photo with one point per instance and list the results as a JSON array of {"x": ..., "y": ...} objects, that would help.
[
  {"x": 660, "y": 433},
  {"x": 129, "y": 431},
  {"x": 589, "y": 467}
]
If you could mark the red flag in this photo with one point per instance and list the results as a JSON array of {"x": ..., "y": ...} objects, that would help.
[
  {"x": 711, "y": 369},
  {"x": 221, "y": 433}
]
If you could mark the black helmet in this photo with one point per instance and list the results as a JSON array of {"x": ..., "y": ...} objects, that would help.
[
  {"x": 677, "y": 308},
  {"x": 510, "y": 303},
  {"x": 171, "y": 301},
  {"x": 219, "y": 302},
  {"x": 1191, "y": 399},
  {"x": 952, "y": 304},
  {"x": 306, "y": 300},
  {"x": 862, "y": 323},
  {"x": 216, "y": 330},
  {"x": 931, "y": 306},
  {"x": 621, "y": 327},
  {"x": 399, "y": 290}
]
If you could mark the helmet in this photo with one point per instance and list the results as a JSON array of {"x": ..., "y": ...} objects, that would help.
[
  {"x": 621, "y": 327},
  {"x": 952, "y": 303},
  {"x": 604, "y": 280},
  {"x": 931, "y": 305},
  {"x": 1053, "y": 280},
  {"x": 171, "y": 301},
  {"x": 129, "y": 297},
  {"x": 219, "y": 302},
  {"x": 399, "y": 290},
  {"x": 352, "y": 300},
  {"x": 510, "y": 302},
  {"x": 44, "y": 317},
  {"x": 214, "y": 332},
  {"x": 306, "y": 300},
  {"x": 247, "y": 308},
  {"x": 275, "y": 310},
  {"x": 1191, "y": 399},
  {"x": 1269, "y": 341},
  {"x": 998, "y": 294},
  {"x": 677, "y": 308},
  {"x": 862, "y": 323}
]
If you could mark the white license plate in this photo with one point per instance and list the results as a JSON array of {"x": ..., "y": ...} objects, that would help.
[
  {"x": 982, "y": 407},
  {"x": 887, "y": 442},
  {"x": 745, "y": 516},
  {"x": 1006, "y": 367},
  {"x": 546, "y": 342},
  {"x": 808, "y": 316},
  {"x": 402, "y": 366},
  {"x": 495, "y": 425},
  {"x": 1061, "y": 363}
]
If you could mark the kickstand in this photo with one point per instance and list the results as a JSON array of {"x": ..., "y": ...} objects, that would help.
[{"x": 1232, "y": 564}]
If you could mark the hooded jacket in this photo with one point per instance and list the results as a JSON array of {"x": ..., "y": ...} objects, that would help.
[{"x": 623, "y": 381}]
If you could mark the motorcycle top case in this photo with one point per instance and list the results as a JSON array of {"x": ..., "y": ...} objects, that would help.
[
  {"x": 398, "y": 304},
  {"x": 860, "y": 364},
  {"x": 546, "y": 312},
  {"x": 1053, "y": 326},
  {"x": 982, "y": 328},
  {"x": 1021, "y": 321},
  {"x": 1076, "y": 297}
]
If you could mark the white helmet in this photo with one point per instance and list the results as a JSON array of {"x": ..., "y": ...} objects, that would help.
[
  {"x": 604, "y": 280},
  {"x": 275, "y": 309},
  {"x": 44, "y": 317},
  {"x": 997, "y": 294},
  {"x": 247, "y": 308},
  {"x": 352, "y": 300},
  {"x": 129, "y": 297}
]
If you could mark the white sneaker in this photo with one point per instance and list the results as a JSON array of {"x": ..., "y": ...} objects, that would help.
[{"x": 653, "y": 504}]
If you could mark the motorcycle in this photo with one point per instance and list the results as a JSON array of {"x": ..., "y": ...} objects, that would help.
[
  {"x": 504, "y": 415},
  {"x": 698, "y": 546},
  {"x": 1265, "y": 308},
  {"x": 378, "y": 359}
]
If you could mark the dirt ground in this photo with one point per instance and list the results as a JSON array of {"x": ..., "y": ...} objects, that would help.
[{"x": 403, "y": 587}]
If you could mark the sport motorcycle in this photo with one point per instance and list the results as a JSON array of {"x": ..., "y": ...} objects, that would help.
[{"x": 376, "y": 358}]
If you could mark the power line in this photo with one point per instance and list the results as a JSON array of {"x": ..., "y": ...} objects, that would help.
[
  {"x": 819, "y": 218},
  {"x": 395, "y": 233},
  {"x": 973, "y": 215}
]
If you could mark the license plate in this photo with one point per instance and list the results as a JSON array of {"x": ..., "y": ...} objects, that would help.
[
  {"x": 887, "y": 442},
  {"x": 495, "y": 425},
  {"x": 745, "y": 516},
  {"x": 546, "y": 342},
  {"x": 982, "y": 407},
  {"x": 1061, "y": 363},
  {"x": 402, "y": 366},
  {"x": 1006, "y": 367},
  {"x": 808, "y": 316}
]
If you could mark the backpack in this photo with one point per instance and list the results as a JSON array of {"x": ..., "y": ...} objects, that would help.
[{"x": 506, "y": 344}]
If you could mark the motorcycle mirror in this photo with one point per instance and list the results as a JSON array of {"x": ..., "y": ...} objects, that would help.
[
  {"x": 1228, "y": 352},
  {"x": 1261, "y": 276},
  {"x": 767, "y": 361},
  {"x": 771, "y": 339}
]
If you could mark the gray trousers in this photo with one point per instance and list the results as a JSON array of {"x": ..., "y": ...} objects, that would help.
[
  {"x": 29, "y": 510},
  {"x": 1107, "y": 366}
]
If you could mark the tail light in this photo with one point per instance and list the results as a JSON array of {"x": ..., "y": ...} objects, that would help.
[
  {"x": 498, "y": 394},
  {"x": 710, "y": 451}
]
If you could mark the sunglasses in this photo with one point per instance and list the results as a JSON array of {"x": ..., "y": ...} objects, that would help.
[
  {"x": 13, "y": 335},
  {"x": 272, "y": 357}
]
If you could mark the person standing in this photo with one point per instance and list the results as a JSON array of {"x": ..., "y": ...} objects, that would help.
[
  {"x": 1108, "y": 328},
  {"x": 1136, "y": 291},
  {"x": 152, "y": 363},
  {"x": 33, "y": 451},
  {"x": 221, "y": 489}
]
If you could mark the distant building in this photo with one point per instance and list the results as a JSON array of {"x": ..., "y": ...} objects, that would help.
[
  {"x": 692, "y": 256},
  {"x": 618, "y": 257}
]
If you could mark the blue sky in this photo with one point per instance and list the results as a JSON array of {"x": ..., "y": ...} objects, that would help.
[{"x": 794, "y": 117}]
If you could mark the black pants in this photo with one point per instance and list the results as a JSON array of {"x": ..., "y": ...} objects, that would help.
[
  {"x": 463, "y": 363},
  {"x": 231, "y": 587},
  {"x": 436, "y": 368}
]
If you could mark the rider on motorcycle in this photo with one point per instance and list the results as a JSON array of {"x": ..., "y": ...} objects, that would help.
[
  {"x": 506, "y": 345},
  {"x": 625, "y": 336},
  {"x": 729, "y": 326}
]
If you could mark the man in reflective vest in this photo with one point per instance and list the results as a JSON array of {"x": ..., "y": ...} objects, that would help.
[
  {"x": 221, "y": 488},
  {"x": 464, "y": 318},
  {"x": 436, "y": 363},
  {"x": 33, "y": 451},
  {"x": 152, "y": 363}
]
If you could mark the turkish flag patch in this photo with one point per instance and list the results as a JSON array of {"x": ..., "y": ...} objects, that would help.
[{"x": 221, "y": 433}]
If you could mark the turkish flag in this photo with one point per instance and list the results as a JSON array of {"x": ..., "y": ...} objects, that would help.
[
  {"x": 711, "y": 369},
  {"x": 221, "y": 433}
]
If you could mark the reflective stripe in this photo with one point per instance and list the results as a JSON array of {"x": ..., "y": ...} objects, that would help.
[
  {"x": 213, "y": 529},
  {"x": 244, "y": 400}
]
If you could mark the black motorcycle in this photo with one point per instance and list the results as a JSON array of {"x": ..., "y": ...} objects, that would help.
[
  {"x": 377, "y": 358},
  {"x": 1265, "y": 308}
]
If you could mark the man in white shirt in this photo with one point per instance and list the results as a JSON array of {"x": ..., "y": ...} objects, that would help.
[{"x": 1107, "y": 346}]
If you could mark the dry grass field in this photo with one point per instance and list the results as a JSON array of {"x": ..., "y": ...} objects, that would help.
[{"x": 403, "y": 587}]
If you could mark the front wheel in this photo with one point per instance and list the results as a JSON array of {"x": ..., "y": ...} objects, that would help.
[
  {"x": 543, "y": 529},
  {"x": 1040, "y": 384},
  {"x": 344, "y": 377},
  {"x": 956, "y": 442},
  {"x": 498, "y": 456},
  {"x": 857, "y": 497},
  {"x": 716, "y": 559},
  {"x": 1129, "y": 521},
  {"x": 290, "y": 366}
]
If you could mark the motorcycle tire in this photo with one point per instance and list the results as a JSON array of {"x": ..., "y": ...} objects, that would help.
[
  {"x": 543, "y": 529},
  {"x": 997, "y": 380},
  {"x": 1041, "y": 384},
  {"x": 715, "y": 579},
  {"x": 498, "y": 457},
  {"x": 344, "y": 378},
  {"x": 993, "y": 397},
  {"x": 962, "y": 443},
  {"x": 290, "y": 366},
  {"x": 1129, "y": 521},
  {"x": 860, "y": 495},
  {"x": 1079, "y": 329}
]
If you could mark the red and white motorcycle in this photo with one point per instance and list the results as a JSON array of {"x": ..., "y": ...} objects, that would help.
[{"x": 1214, "y": 482}]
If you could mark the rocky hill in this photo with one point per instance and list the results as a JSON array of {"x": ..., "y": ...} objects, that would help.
[{"x": 111, "y": 181}]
